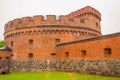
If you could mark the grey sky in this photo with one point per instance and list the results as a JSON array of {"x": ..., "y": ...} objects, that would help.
[{"x": 110, "y": 10}]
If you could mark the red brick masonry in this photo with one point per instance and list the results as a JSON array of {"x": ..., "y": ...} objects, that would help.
[{"x": 74, "y": 34}]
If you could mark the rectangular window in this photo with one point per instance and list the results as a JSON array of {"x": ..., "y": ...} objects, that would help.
[
  {"x": 53, "y": 54},
  {"x": 107, "y": 51},
  {"x": 66, "y": 54},
  {"x": 57, "y": 40},
  {"x": 30, "y": 41},
  {"x": 83, "y": 52},
  {"x": 30, "y": 55}
]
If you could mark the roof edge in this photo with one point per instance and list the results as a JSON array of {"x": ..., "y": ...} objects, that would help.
[
  {"x": 5, "y": 48},
  {"x": 91, "y": 39}
]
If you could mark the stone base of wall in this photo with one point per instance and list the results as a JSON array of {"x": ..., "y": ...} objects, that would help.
[
  {"x": 110, "y": 67},
  {"x": 33, "y": 65},
  {"x": 4, "y": 66}
]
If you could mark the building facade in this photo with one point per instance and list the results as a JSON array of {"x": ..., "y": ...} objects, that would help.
[{"x": 51, "y": 42}]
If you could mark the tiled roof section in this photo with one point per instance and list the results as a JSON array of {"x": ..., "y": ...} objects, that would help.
[
  {"x": 5, "y": 48},
  {"x": 91, "y": 39}
]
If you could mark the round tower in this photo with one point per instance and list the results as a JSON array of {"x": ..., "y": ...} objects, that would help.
[
  {"x": 89, "y": 17},
  {"x": 36, "y": 37}
]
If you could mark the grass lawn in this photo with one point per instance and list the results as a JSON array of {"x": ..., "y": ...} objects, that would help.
[{"x": 53, "y": 76}]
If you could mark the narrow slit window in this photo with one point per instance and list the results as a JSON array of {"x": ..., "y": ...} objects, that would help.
[
  {"x": 12, "y": 43},
  {"x": 0, "y": 58},
  {"x": 96, "y": 24}
]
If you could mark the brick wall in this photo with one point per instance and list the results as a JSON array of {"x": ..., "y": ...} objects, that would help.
[
  {"x": 4, "y": 54},
  {"x": 45, "y": 32},
  {"x": 101, "y": 47}
]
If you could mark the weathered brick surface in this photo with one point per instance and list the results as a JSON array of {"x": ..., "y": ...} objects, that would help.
[
  {"x": 94, "y": 48},
  {"x": 4, "y": 54},
  {"x": 76, "y": 32},
  {"x": 44, "y": 32}
]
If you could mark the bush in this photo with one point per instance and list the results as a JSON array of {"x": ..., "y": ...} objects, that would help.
[{"x": 2, "y": 43}]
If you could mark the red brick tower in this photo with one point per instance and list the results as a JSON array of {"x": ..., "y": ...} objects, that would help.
[
  {"x": 89, "y": 17},
  {"x": 36, "y": 37}
]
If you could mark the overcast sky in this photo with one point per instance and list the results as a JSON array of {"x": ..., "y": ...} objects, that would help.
[{"x": 11, "y": 9}]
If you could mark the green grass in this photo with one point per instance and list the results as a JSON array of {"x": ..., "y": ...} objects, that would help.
[{"x": 53, "y": 76}]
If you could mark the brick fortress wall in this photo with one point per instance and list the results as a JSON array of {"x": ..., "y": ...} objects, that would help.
[
  {"x": 101, "y": 47},
  {"x": 38, "y": 36},
  {"x": 92, "y": 62},
  {"x": 76, "y": 48}
]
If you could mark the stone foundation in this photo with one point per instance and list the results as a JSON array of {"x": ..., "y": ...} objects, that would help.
[
  {"x": 109, "y": 67},
  {"x": 4, "y": 66},
  {"x": 98, "y": 67}
]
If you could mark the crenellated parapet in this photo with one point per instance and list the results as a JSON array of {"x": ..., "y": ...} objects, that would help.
[
  {"x": 40, "y": 20},
  {"x": 85, "y": 11},
  {"x": 86, "y": 17}
]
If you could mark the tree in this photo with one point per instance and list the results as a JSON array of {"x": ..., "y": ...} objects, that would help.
[{"x": 2, "y": 43}]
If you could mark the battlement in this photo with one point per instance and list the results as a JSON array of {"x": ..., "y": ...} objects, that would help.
[
  {"x": 75, "y": 19},
  {"x": 40, "y": 20},
  {"x": 86, "y": 10}
]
